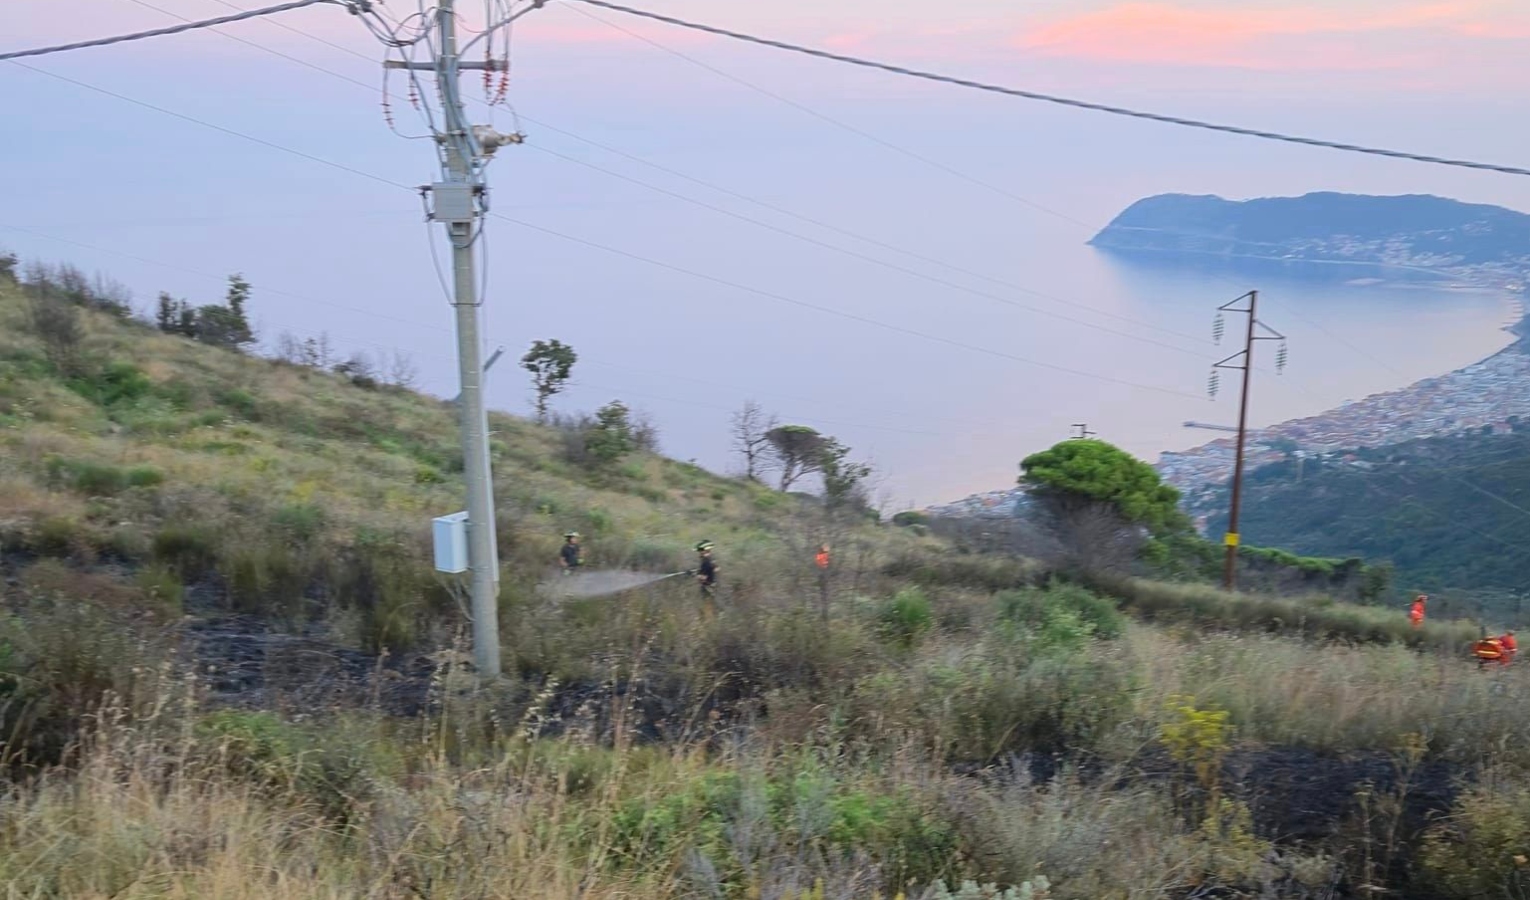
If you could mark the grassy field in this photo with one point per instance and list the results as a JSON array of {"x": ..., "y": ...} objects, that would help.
[{"x": 950, "y": 717}]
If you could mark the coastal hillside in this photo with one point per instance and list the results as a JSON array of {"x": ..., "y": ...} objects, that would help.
[
  {"x": 1449, "y": 513},
  {"x": 227, "y": 670},
  {"x": 1481, "y": 243}
]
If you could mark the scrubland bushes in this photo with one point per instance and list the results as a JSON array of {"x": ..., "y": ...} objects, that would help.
[
  {"x": 955, "y": 717},
  {"x": 641, "y": 751}
]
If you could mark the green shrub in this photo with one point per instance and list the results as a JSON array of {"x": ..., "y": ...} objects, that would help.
[
  {"x": 144, "y": 476},
  {"x": 58, "y": 665},
  {"x": 92, "y": 479},
  {"x": 299, "y": 522},
  {"x": 995, "y": 699},
  {"x": 769, "y": 501},
  {"x": 654, "y": 556},
  {"x": 1483, "y": 850},
  {"x": 377, "y": 580},
  {"x": 188, "y": 549},
  {"x": 283, "y": 759},
  {"x": 598, "y": 521},
  {"x": 115, "y": 383},
  {"x": 1313, "y": 617},
  {"x": 424, "y": 474},
  {"x": 162, "y": 590},
  {"x": 240, "y": 402},
  {"x": 906, "y": 615},
  {"x": 806, "y": 806},
  {"x": 58, "y": 537},
  {"x": 988, "y": 573},
  {"x": 266, "y": 580},
  {"x": 910, "y": 517},
  {"x": 1052, "y": 607}
]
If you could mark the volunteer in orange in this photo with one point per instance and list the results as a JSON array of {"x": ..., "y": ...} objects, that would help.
[
  {"x": 1489, "y": 650},
  {"x": 1416, "y": 614}
]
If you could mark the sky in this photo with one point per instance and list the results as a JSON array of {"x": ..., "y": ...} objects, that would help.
[{"x": 673, "y": 201}]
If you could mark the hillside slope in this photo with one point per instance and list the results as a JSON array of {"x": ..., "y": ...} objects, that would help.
[
  {"x": 1447, "y": 512},
  {"x": 918, "y": 717},
  {"x": 262, "y": 487}
]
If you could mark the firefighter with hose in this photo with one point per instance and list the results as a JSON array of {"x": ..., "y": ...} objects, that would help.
[{"x": 706, "y": 576}]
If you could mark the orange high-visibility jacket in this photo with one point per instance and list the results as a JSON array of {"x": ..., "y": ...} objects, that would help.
[
  {"x": 1488, "y": 649},
  {"x": 1417, "y": 612}
]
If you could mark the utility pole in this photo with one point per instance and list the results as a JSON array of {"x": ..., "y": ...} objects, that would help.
[
  {"x": 458, "y": 202},
  {"x": 1245, "y": 363},
  {"x": 1083, "y": 432},
  {"x": 493, "y": 358}
]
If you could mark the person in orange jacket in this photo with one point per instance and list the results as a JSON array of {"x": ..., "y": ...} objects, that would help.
[
  {"x": 1510, "y": 647},
  {"x": 1489, "y": 650},
  {"x": 1416, "y": 613}
]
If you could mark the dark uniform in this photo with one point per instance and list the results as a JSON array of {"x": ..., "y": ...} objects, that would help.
[
  {"x": 706, "y": 572},
  {"x": 570, "y": 555}
]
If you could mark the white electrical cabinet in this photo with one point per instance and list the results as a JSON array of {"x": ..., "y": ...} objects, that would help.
[{"x": 451, "y": 543}]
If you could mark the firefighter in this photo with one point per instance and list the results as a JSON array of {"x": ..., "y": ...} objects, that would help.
[
  {"x": 822, "y": 558},
  {"x": 1416, "y": 613},
  {"x": 1510, "y": 647},
  {"x": 706, "y": 570},
  {"x": 571, "y": 555},
  {"x": 1488, "y": 651}
]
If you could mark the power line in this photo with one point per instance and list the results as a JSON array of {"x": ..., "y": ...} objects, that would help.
[
  {"x": 355, "y": 6},
  {"x": 765, "y": 225},
  {"x": 638, "y": 257},
  {"x": 1061, "y": 101},
  {"x": 205, "y": 124},
  {"x": 824, "y": 117}
]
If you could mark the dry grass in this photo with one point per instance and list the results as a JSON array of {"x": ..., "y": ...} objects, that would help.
[{"x": 1286, "y": 692}]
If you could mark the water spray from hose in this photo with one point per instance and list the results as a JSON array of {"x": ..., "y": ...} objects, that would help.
[{"x": 600, "y": 584}]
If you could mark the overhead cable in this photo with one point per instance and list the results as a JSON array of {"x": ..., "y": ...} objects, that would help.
[
  {"x": 1061, "y": 101},
  {"x": 355, "y": 6}
]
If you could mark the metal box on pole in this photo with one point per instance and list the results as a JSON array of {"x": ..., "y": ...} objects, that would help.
[{"x": 451, "y": 543}]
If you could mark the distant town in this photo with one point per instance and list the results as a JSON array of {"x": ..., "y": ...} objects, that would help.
[{"x": 1468, "y": 247}]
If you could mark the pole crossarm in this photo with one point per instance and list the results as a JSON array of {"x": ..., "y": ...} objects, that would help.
[{"x": 1242, "y": 361}]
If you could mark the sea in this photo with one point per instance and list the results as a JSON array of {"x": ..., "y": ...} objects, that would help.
[{"x": 1143, "y": 366}]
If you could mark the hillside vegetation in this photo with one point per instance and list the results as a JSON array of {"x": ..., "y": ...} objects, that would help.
[
  {"x": 1448, "y": 513},
  {"x": 228, "y": 671}
]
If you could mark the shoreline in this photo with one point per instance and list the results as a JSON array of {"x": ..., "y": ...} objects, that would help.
[{"x": 1483, "y": 394}]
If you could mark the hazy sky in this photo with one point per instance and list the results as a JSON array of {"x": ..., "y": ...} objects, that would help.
[{"x": 971, "y": 180}]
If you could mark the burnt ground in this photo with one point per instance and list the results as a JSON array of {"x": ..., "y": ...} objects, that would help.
[
  {"x": 1298, "y": 797},
  {"x": 243, "y": 662}
]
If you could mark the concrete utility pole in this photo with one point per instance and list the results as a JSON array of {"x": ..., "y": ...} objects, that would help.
[
  {"x": 1246, "y": 365},
  {"x": 458, "y": 202}
]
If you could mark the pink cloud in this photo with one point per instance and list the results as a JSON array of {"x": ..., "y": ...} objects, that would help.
[{"x": 1301, "y": 38}]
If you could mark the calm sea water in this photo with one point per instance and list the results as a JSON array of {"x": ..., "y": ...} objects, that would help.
[
  {"x": 1345, "y": 338},
  {"x": 1135, "y": 339}
]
